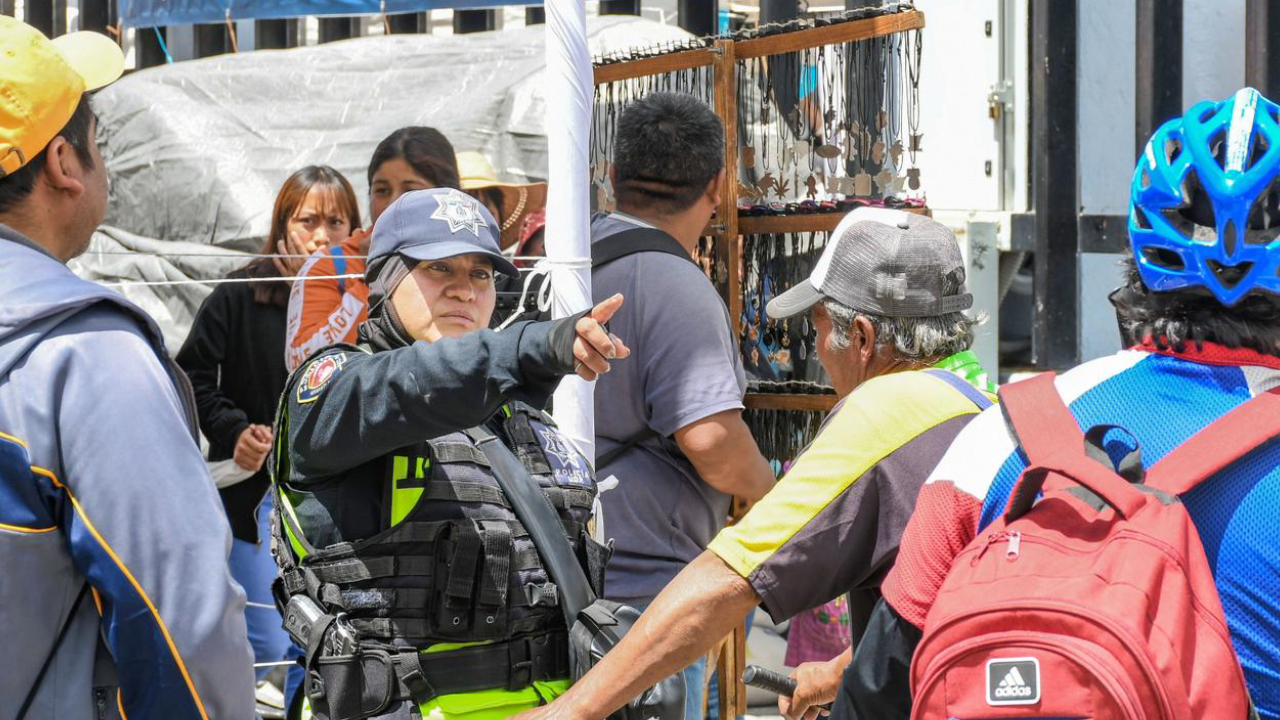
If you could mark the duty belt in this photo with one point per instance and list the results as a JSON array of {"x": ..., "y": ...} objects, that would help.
[{"x": 365, "y": 683}]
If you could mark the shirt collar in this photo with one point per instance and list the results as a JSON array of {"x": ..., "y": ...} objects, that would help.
[
  {"x": 1213, "y": 354},
  {"x": 632, "y": 219},
  {"x": 966, "y": 364}
]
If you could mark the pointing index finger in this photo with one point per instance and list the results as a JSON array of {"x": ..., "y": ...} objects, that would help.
[{"x": 605, "y": 310}]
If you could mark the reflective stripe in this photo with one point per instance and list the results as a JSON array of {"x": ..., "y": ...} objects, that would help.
[
  {"x": 298, "y": 550},
  {"x": 406, "y": 491},
  {"x": 31, "y": 531}
]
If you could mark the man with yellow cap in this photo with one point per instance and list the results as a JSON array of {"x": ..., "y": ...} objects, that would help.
[{"x": 116, "y": 600}]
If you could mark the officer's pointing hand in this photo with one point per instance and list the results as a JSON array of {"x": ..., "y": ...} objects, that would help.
[{"x": 594, "y": 347}]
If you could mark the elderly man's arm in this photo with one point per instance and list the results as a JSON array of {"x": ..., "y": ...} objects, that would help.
[
  {"x": 705, "y": 602},
  {"x": 724, "y": 453}
]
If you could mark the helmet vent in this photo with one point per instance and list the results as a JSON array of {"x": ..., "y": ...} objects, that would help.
[
  {"x": 1140, "y": 217},
  {"x": 1258, "y": 147},
  {"x": 1172, "y": 148},
  {"x": 1229, "y": 238},
  {"x": 1218, "y": 146},
  {"x": 1145, "y": 180},
  {"x": 1195, "y": 218},
  {"x": 1164, "y": 258},
  {"x": 1264, "y": 215},
  {"x": 1230, "y": 275}
]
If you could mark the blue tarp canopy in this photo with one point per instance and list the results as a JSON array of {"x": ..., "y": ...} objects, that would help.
[{"x": 150, "y": 13}]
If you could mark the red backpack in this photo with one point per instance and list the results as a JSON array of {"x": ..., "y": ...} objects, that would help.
[{"x": 1096, "y": 601}]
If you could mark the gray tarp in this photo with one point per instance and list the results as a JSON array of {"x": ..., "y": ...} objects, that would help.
[{"x": 197, "y": 150}]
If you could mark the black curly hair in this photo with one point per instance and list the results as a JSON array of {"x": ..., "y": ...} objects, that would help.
[{"x": 1170, "y": 320}]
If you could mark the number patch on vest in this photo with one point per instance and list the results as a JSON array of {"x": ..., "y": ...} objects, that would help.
[
  {"x": 568, "y": 467},
  {"x": 318, "y": 374}
]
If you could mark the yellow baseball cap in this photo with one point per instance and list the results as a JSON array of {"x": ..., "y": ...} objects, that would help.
[{"x": 41, "y": 83}]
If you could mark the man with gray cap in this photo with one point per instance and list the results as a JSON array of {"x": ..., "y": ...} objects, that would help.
[
  {"x": 887, "y": 298},
  {"x": 404, "y": 572}
]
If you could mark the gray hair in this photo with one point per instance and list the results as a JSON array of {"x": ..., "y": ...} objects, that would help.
[{"x": 912, "y": 338}]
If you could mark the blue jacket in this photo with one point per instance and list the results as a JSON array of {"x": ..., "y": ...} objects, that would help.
[{"x": 101, "y": 480}]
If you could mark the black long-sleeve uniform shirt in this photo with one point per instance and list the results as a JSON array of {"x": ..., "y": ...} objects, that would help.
[
  {"x": 347, "y": 409},
  {"x": 234, "y": 356}
]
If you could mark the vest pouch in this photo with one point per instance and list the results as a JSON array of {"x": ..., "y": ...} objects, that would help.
[
  {"x": 351, "y": 687},
  {"x": 594, "y": 557},
  {"x": 492, "y": 619},
  {"x": 458, "y": 555}
]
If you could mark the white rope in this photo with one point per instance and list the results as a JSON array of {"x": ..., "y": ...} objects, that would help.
[
  {"x": 223, "y": 281},
  {"x": 214, "y": 255},
  {"x": 254, "y": 256},
  {"x": 546, "y": 293}
]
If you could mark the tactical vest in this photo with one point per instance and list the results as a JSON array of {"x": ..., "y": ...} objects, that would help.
[{"x": 452, "y": 565}]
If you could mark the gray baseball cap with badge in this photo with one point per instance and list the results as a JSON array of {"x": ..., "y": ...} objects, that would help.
[
  {"x": 436, "y": 224},
  {"x": 884, "y": 262}
]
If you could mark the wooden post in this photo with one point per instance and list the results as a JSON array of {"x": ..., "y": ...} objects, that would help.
[{"x": 729, "y": 249}]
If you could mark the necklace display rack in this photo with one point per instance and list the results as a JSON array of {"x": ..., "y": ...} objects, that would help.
[{"x": 820, "y": 117}]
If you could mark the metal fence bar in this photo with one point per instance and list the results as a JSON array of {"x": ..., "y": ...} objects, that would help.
[
  {"x": 1158, "y": 81},
  {"x": 700, "y": 17},
  {"x": 1262, "y": 34},
  {"x": 275, "y": 34},
  {"x": 338, "y": 28},
  {"x": 39, "y": 14},
  {"x": 1055, "y": 178},
  {"x": 619, "y": 7},
  {"x": 407, "y": 23},
  {"x": 471, "y": 21}
]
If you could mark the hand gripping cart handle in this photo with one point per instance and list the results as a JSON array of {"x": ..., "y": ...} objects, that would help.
[{"x": 765, "y": 679}]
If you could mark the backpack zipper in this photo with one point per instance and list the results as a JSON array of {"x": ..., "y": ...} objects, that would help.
[{"x": 1015, "y": 543}]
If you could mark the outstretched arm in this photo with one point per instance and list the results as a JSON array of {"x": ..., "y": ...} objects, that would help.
[{"x": 341, "y": 415}]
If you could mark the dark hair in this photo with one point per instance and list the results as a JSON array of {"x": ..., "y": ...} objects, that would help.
[
  {"x": 1171, "y": 319},
  {"x": 292, "y": 194},
  {"x": 426, "y": 150},
  {"x": 668, "y": 150},
  {"x": 17, "y": 185}
]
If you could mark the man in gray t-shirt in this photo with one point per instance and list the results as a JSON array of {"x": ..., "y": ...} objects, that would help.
[{"x": 684, "y": 383}]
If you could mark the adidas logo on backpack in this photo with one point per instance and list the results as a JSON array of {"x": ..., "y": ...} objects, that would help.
[
  {"x": 1058, "y": 593},
  {"x": 1013, "y": 681}
]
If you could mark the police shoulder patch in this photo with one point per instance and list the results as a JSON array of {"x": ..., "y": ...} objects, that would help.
[{"x": 318, "y": 374}]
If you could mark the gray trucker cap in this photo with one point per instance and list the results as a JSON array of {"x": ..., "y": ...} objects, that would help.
[{"x": 884, "y": 262}]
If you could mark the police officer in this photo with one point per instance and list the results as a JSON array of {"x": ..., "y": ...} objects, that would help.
[{"x": 405, "y": 573}]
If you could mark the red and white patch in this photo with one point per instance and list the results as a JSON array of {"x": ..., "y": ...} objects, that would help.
[{"x": 318, "y": 374}]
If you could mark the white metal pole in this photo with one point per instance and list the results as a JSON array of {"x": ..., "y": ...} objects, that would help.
[{"x": 568, "y": 124}]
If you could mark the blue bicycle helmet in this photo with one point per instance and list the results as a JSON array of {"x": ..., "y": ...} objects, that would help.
[{"x": 1203, "y": 212}]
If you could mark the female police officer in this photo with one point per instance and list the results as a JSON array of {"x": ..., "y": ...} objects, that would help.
[{"x": 404, "y": 571}]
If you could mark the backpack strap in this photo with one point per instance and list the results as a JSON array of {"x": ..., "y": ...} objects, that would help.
[
  {"x": 616, "y": 247},
  {"x": 1051, "y": 438},
  {"x": 1232, "y": 436},
  {"x": 1042, "y": 424},
  {"x": 975, "y": 395},
  {"x": 630, "y": 242}
]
